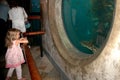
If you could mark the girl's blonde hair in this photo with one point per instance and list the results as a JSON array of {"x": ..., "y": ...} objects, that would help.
[{"x": 11, "y": 36}]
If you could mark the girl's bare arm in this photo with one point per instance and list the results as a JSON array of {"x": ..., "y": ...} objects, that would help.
[{"x": 23, "y": 40}]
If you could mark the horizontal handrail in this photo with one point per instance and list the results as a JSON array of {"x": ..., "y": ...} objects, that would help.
[
  {"x": 34, "y": 73},
  {"x": 34, "y": 17},
  {"x": 34, "y": 33}
]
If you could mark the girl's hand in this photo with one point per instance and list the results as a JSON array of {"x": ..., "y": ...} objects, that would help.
[{"x": 23, "y": 40}]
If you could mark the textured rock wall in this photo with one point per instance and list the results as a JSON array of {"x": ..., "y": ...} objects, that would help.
[{"x": 75, "y": 65}]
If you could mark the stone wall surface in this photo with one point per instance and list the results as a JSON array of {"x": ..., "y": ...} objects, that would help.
[{"x": 101, "y": 66}]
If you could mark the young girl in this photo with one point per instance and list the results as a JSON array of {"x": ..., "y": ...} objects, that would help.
[{"x": 14, "y": 56}]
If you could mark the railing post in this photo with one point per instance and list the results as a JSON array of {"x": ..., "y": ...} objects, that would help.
[{"x": 44, "y": 18}]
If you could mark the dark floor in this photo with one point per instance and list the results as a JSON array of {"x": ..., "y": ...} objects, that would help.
[{"x": 3, "y": 70}]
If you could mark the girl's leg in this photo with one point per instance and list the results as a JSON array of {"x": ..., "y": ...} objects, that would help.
[
  {"x": 9, "y": 74},
  {"x": 19, "y": 72}
]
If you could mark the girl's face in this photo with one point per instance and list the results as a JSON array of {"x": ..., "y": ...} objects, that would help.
[{"x": 18, "y": 35}]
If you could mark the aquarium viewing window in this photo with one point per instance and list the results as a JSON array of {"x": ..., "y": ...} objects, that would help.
[{"x": 87, "y": 22}]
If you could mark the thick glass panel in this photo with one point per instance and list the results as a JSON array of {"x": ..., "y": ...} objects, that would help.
[
  {"x": 35, "y": 5},
  {"x": 87, "y": 22}
]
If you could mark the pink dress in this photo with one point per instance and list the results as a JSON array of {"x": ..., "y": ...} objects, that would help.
[{"x": 14, "y": 56}]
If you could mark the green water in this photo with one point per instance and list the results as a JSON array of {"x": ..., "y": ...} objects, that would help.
[{"x": 86, "y": 21}]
